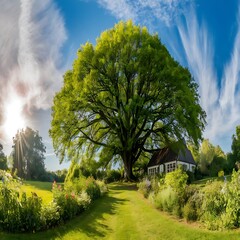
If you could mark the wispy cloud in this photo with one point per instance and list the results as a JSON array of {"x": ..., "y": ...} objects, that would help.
[
  {"x": 32, "y": 34},
  {"x": 199, "y": 52},
  {"x": 146, "y": 11},
  {"x": 221, "y": 103}
]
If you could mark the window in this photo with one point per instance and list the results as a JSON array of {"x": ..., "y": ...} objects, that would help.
[
  {"x": 185, "y": 167},
  {"x": 171, "y": 167},
  {"x": 153, "y": 171}
]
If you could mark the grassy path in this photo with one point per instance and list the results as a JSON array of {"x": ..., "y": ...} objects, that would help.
[{"x": 124, "y": 214}]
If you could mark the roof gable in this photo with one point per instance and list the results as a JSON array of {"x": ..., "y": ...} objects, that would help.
[{"x": 167, "y": 155}]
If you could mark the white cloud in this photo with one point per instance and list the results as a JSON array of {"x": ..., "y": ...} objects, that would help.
[
  {"x": 146, "y": 11},
  {"x": 221, "y": 103},
  {"x": 121, "y": 9},
  {"x": 32, "y": 34},
  {"x": 198, "y": 48}
]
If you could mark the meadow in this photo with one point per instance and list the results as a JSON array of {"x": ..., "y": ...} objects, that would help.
[{"x": 121, "y": 214}]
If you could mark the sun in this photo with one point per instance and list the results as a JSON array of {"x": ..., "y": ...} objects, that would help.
[{"x": 14, "y": 119}]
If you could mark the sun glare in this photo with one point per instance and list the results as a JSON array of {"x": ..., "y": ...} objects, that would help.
[{"x": 14, "y": 119}]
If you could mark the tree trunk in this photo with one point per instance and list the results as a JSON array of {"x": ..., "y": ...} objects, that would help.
[{"x": 127, "y": 161}]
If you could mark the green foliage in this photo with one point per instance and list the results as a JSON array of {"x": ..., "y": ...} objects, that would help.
[
  {"x": 232, "y": 199},
  {"x": 50, "y": 215},
  {"x": 116, "y": 99},
  {"x": 221, "y": 173},
  {"x": 70, "y": 203},
  {"x": 177, "y": 180},
  {"x": 28, "y": 154},
  {"x": 3, "y": 159},
  {"x": 209, "y": 158},
  {"x": 167, "y": 200},
  {"x": 20, "y": 213},
  {"x": 144, "y": 187},
  {"x": 113, "y": 176}
]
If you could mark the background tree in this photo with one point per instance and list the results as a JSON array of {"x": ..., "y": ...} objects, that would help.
[
  {"x": 3, "y": 159},
  {"x": 234, "y": 156},
  {"x": 122, "y": 92},
  {"x": 28, "y": 154},
  {"x": 210, "y": 159}
]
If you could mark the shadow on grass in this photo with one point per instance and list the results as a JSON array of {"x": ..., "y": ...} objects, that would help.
[
  {"x": 91, "y": 221},
  {"x": 124, "y": 186}
]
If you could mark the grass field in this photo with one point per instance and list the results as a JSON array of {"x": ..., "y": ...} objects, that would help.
[
  {"x": 124, "y": 214},
  {"x": 43, "y": 189}
]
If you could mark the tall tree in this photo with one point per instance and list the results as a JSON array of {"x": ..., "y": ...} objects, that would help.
[
  {"x": 3, "y": 159},
  {"x": 28, "y": 154},
  {"x": 121, "y": 93},
  {"x": 234, "y": 156},
  {"x": 210, "y": 159}
]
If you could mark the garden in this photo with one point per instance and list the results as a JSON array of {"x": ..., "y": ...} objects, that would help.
[
  {"x": 216, "y": 204},
  {"x": 22, "y": 212}
]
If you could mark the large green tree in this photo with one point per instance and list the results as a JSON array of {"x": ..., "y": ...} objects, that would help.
[
  {"x": 125, "y": 95},
  {"x": 28, "y": 154}
]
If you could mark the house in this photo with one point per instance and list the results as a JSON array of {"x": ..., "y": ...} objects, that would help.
[{"x": 167, "y": 160}]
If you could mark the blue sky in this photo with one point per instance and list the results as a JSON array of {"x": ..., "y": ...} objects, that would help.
[{"x": 39, "y": 41}]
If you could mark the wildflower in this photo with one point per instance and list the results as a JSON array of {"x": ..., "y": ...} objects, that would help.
[{"x": 54, "y": 184}]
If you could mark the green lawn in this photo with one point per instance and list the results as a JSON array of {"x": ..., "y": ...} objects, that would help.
[
  {"x": 125, "y": 214},
  {"x": 43, "y": 189}
]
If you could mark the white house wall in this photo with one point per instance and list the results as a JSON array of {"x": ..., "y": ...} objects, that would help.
[{"x": 163, "y": 167}]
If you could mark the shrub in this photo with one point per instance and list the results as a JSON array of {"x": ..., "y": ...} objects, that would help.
[
  {"x": 113, "y": 176},
  {"x": 232, "y": 197},
  {"x": 92, "y": 188},
  {"x": 19, "y": 212},
  {"x": 193, "y": 198},
  {"x": 103, "y": 187},
  {"x": 50, "y": 215},
  {"x": 9, "y": 209},
  {"x": 67, "y": 202},
  {"x": 167, "y": 200},
  {"x": 144, "y": 187},
  {"x": 177, "y": 180},
  {"x": 30, "y": 212},
  {"x": 213, "y": 205}
]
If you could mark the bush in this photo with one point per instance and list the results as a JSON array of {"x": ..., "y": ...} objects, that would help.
[
  {"x": 92, "y": 188},
  {"x": 70, "y": 202},
  {"x": 167, "y": 200},
  {"x": 19, "y": 213},
  {"x": 177, "y": 180},
  {"x": 213, "y": 205},
  {"x": 113, "y": 176},
  {"x": 193, "y": 198},
  {"x": 30, "y": 213},
  {"x": 232, "y": 197},
  {"x": 144, "y": 187},
  {"x": 50, "y": 215}
]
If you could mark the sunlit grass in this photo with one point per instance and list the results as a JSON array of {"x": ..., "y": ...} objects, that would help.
[
  {"x": 125, "y": 214},
  {"x": 42, "y": 189}
]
